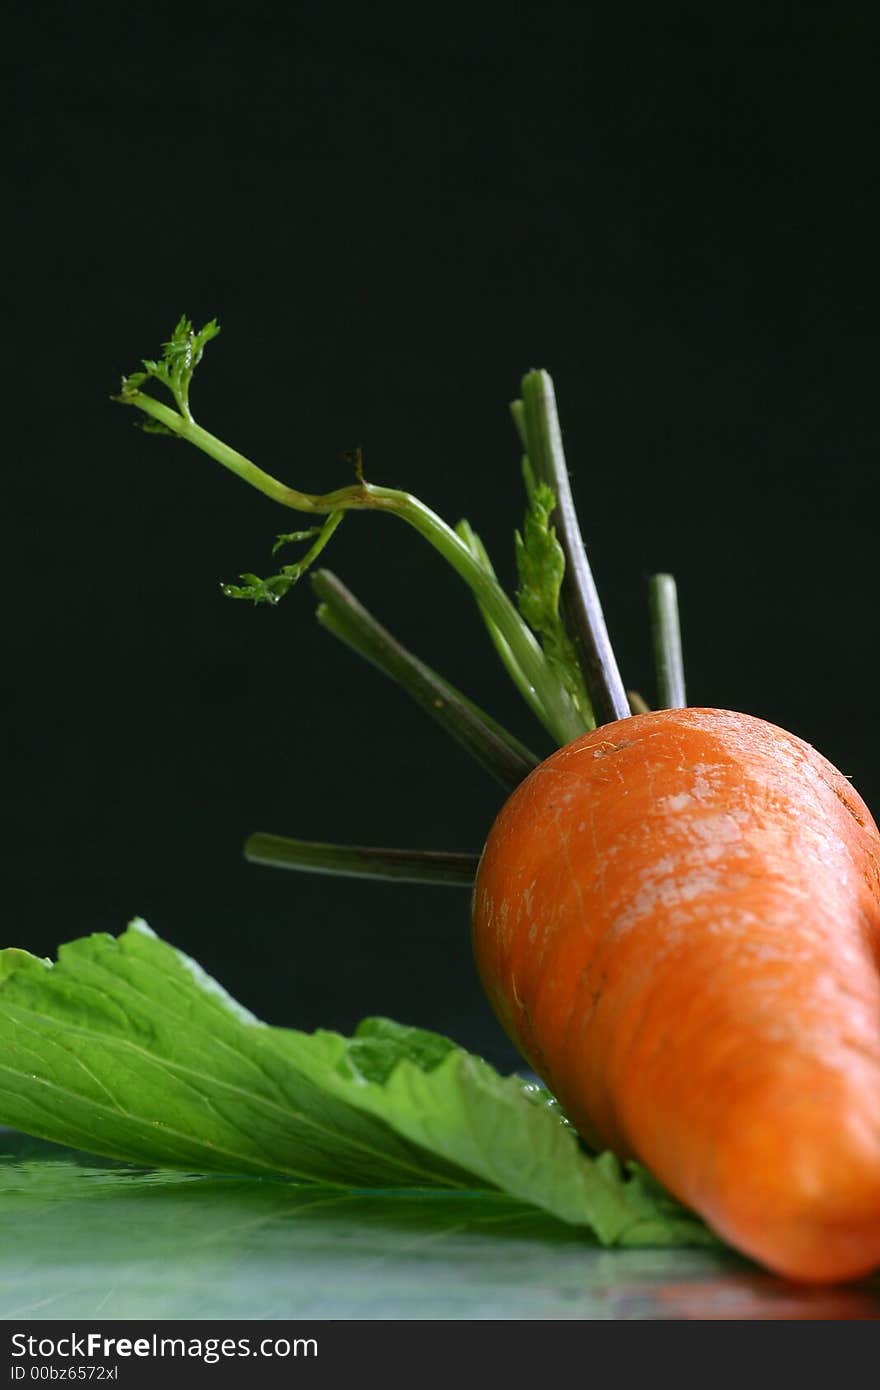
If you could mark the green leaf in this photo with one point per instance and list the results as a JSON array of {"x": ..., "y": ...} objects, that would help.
[
  {"x": 540, "y": 561},
  {"x": 292, "y": 537},
  {"x": 174, "y": 369},
  {"x": 540, "y": 564},
  {"x": 273, "y": 589},
  {"x": 258, "y": 590},
  {"x": 181, "y": 355},
  {"x": 184, "y": 348},
  {"x": 126, "y": 1048},
  {"x": 133, "y": 382},
  {"x": 379, "y": 1044},
  {"x": 82, "y": 1237}
]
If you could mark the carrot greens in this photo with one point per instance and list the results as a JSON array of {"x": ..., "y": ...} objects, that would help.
[
  {"x": 666, "y": 634},
  {"x": 537, "y": 421},
  {"x": 503, "y": 756},
  {"x": 540, "y": 564},
  {"x": 553, "y": 642},
  {"x": 549, "y": 696},
  {"x": 358, "y": 861},
  {"x": 508, "y": 660}
]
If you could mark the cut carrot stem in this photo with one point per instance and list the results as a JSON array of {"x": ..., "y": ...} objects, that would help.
[
  {"x": 666, "y": 636},
  {"x": 359, "y": 861},
  {"x": 508, "y": 760},
  {"x": 537, "y": 420},
  {"x": 637, "y": 703}
]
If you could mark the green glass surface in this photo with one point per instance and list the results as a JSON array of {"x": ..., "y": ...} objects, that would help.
[{"x": 83, "y": 1237}]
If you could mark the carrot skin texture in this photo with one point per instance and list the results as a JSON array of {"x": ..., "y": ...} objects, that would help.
[{"x": 677, "y": 920}]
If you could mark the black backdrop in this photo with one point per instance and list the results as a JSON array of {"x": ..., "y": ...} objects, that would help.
[{"x": 393, "y": 219}]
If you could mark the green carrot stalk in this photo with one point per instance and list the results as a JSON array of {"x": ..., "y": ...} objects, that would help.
[
  {"x": 537, "y": 421},
  {"x": 357, "y": 861},
  {"x": 508, "y": 760},
  {"x": 473, "y": 542},
  {"x": 666, "y": 636}
]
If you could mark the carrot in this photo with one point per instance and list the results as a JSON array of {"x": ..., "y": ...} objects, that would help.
[
  {"x": 675, "y": 916},
  {"x": 677, "y": 920}
]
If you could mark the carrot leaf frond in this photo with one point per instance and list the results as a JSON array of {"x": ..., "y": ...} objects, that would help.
[
  {"x": 540, "y": 564},
  {"x": 274, "y": 588},
  {"x": 174, "y": 369}
]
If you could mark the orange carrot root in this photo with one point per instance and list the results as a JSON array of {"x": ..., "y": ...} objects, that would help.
[{"x": 677, "y": 920}]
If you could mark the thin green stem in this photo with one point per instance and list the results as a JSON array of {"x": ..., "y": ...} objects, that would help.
[
  {"x": 538, "y": 421},
  {"x": 358, "y": 861},
  {"x": 557, "y": 712},
  {"x": 215, "y": 448},
  {"x": 467, "y": 534},
  {"x": 484, "y": 738},
  {"x": 666, "y": 636}
]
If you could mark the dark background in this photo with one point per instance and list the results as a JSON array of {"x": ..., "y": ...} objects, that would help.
[{"x": 672, "y": 210}]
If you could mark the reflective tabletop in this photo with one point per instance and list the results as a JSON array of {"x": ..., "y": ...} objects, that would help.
[{"x": 84, "y": 1238}]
